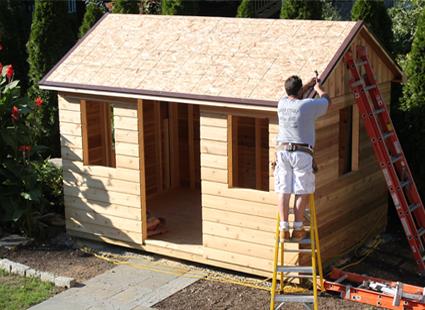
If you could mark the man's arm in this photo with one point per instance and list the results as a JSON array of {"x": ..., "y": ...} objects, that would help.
[{"x": 319, "y": 90}]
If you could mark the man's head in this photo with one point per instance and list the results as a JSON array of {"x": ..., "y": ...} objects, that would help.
[{"x": 293, "y": 86}]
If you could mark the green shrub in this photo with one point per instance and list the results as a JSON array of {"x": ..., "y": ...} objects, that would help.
[
  {"x": 376, "y": 18},
  {"x": 50, "y": 38},
  {"x": 29, "y": 188},
  {"x": 246, "y": 9},
  {"x": 413, "y": 105},
  {"x": 179, "y": 7},
  {"x": 125, "y": 6},
  {"x": 151, "y": 7},
  {"x": 329, "y": 12},
  {"x": 94, "y": 12},
  {"x": 296, "y": 9},
  {"x": 404, "y": 16},
  {"x": 15, "y": 24}
]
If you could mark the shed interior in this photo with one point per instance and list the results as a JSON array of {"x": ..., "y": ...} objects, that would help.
[{"x": 172, "y": 163}]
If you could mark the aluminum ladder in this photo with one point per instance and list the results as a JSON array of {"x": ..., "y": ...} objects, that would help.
[
  {"x": 388, "y": 151},
  {"x": 278, "y": 296}
]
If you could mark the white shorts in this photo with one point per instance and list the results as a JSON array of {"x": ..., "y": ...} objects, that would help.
[{"x": 294, "y": 173}]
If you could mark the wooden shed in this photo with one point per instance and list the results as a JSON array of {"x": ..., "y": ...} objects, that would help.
[{"x": 177, "y": 115}]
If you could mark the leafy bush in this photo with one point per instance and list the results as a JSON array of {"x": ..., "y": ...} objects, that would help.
[
  {"x": 179, "y": 7},
  {"x": 329, "y": 12},
  {"x": 295, "y": 9},
  {"x": 125, "y": 6},
  {"x": 94, "y": 12},
  {"x": 151, "y": 7},
  {"x": 50, "y": 38},
  {"x": 26, "y": 181},
  {"x": 404, "y": 16},
  {"x": 246, "y": 9},
  {"x": 376, "y": 18},
  {"x": 413, "y": 106}
]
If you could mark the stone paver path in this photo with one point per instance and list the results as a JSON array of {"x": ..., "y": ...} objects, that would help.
[{"x": 121, "y": 288}]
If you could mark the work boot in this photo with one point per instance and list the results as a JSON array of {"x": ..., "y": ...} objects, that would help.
[
  {"x": 299, "y": 234},
  {"x": 284, "y": 235}
]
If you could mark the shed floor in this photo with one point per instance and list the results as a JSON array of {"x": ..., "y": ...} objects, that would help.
[{"x": 181, "y": 209}]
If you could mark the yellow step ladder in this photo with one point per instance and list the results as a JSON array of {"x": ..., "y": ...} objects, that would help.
[{"x": 278, "y": 296}]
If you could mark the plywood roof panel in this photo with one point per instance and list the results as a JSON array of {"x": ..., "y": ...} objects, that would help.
[{"x": 226, "y": 57}]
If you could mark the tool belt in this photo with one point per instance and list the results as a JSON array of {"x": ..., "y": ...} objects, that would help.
[{"x": 298, "y": 147}]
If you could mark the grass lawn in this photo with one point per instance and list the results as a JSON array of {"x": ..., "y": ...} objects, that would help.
[{"x": 18, "y": 292}]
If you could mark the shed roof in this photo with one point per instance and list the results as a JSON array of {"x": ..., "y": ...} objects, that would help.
[{"x": 221, "y": 59}]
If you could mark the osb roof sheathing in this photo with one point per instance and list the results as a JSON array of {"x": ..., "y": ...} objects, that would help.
[{"x": 185, "y": 56}]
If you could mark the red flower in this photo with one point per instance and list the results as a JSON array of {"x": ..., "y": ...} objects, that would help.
[
  {"x": 25, "y": 148},
  {"x": 15, "y": 114},
  {"x": 38, "y": 101},
  {"x": 9, "y": 72}
]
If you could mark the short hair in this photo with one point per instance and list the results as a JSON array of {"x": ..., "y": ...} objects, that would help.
[{"x": 293, "y": 85}]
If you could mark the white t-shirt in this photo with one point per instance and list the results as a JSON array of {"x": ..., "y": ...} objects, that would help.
[{"x": 297, "y": 119}]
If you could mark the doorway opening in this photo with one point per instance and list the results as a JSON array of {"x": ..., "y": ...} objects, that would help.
[{"x": 173, "y": 182}]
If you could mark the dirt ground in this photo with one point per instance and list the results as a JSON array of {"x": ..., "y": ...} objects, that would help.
[
  {"x": 219, "y": 296},
  {"x": 58, "y": 257},
  {"x": 391, "y": 260}
]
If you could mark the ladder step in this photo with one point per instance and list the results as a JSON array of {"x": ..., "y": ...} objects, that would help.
[
  {"x": 379, "y": 111},
  {"x": 421, "y": 231},
  {"x": 388, "y": 134},
  {"x": 396, "y": 158},
  {"x": 300, "y": 269},
  {"x": 304, "y": 241},
  {"x": 413, "y": 207},
  {"x": 298, "y": 250},
  {"x": 404, "y": 183},
  {"x": 367, "y": 88},
  {"x": 361, "y": 63},
  {"x": 294, "y": 298}
]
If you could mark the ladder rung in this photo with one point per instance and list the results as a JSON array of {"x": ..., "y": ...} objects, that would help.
[
  {"x": 299, "y": 250},
  {"x": 404, "y": 183},
  {"x": 413, "y": 207},
  {"x": 421, "y": 232},
  {"x": 361, "y": 63},
  {"x": 300, "y": 269},
  {"x": 396, "y": 158},
  {"x": 357, "y": 83},
  {"x": 388, "y": 134},
  {"x": 294, "y": 298},
  {"x": 367, "y": 88},
  {"x": 304, "y": 241},
  {"x": 379, "y": 111},
  {"x": 340, "y": 279}
]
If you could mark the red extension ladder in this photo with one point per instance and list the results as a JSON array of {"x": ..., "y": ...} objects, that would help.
[{"x": 389, "y": 153}]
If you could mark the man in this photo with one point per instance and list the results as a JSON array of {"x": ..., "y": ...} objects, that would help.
[{"x": 294, "y": 152}]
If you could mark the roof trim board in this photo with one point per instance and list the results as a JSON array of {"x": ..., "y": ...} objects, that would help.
[{"x": 223, "y": 104}]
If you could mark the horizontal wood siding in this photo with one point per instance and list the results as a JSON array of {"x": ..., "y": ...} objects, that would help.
[
  {"x": 238, "y": 224},
  {"x": 99, "y": 200}
]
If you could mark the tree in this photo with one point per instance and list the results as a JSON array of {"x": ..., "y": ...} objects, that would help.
[
  {"x": 15, "y": 22},
  {"x": 50, "y": 38},
  {"x": 329, "y": 12},
  {"x": 151, "y": 7},
  {"x": 413, "y": 105},
  {"x": 375, "y": 15},
  {"x": 295, "y": 9},
  {"x": 125, "y": 6},
  {"x": 404, "y": 16},
  {"x": 94, "y": 12},
  {"x": 179, "y": 7},
  {"x": 246, "y": 9}
]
